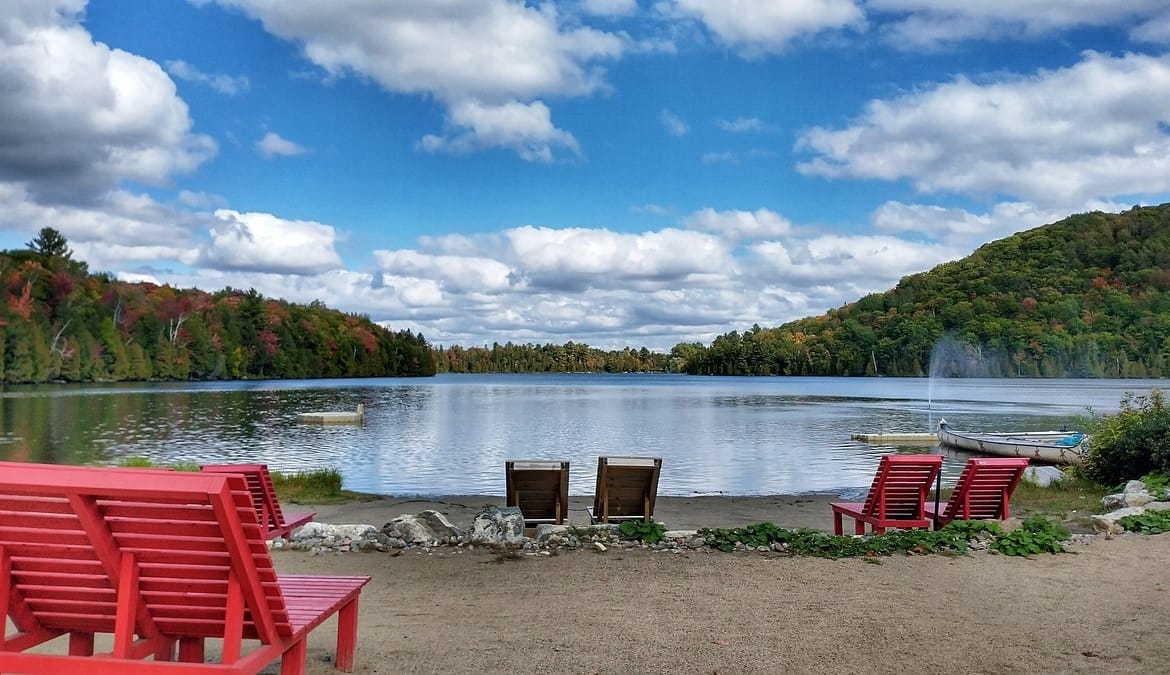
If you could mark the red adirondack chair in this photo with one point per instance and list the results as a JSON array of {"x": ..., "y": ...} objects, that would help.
[
  {"x": 161, "y": 565},
  {"x": 897, "y": 496},
  {"x": 983, "y": 490},
  {"x": 273, "y": 520}
]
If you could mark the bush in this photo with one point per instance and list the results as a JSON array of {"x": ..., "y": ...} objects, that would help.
[{"x": 1134, "y": 442}]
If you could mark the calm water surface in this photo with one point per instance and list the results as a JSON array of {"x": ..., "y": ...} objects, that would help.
[{"x": 451, "y": 434}]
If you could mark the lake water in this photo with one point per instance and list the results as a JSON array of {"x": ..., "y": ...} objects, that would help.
[{"x": 451, "y": 434}]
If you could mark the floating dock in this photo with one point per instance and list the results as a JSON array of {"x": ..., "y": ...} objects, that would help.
[
  {"x": 905, "y": 437},
  {"x": 343, "y": 417}
]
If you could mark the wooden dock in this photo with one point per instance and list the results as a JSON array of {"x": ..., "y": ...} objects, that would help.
[
  {"x": 340, "y": 417},
  {"x": 903, "y": 437}
]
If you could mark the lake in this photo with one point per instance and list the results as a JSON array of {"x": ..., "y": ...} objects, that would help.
[{"x": 451, "y": 434}]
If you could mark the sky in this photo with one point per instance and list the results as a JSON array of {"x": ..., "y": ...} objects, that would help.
[{"x": 616, "y": 172}]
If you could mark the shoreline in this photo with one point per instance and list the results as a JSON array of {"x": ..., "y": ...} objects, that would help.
[{"x": 677, "y": 513}]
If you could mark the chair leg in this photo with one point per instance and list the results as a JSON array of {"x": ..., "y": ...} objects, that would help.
[
  {"x": 838, "y": 526},
  {"x": 858, "y": 527},
  {"x": 292, "y": 662},
  {"x": 347, "y": 625},
  {"x": 191, "y": 650},
  {"x": 81, "y": 644}
]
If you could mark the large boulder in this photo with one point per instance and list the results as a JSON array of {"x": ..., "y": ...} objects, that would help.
[
  {"x": 497, "y": 526},
  {"x": 427, "y": 528},
  {"x": 1134, "y": 494}
]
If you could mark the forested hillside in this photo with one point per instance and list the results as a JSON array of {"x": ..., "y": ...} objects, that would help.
[
  {"x": 60, "y": 323},
  {"x": 1088, "y": 296},
  {"x": 570, "y": 357}
]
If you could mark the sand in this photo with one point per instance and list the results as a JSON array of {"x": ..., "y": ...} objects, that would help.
[{"x": 1101, "y": 609}]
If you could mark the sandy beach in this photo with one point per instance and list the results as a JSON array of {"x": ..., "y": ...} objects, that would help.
[{"x": 1100, "y": 609}]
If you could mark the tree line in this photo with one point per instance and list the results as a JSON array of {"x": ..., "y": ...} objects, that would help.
[
  {"x": 570, "y": 357},
  {"x": 1088, "y": 296},
  {"x": 58, "y": 322}
]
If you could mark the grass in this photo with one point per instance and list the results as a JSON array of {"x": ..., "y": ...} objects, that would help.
[
  {"x": 1072, "y": 500},
  {"x": 315, "y": 486}
]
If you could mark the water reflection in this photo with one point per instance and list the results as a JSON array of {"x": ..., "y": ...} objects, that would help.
[{"x": 451, "y": 434}]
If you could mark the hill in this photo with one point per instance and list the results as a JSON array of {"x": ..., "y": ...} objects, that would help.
[
  {"x": 1088, "y": 296},
  {"x": 58, "y": 322}
]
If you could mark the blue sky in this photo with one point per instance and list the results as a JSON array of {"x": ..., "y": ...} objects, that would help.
[{"x": 615, "y": 172}]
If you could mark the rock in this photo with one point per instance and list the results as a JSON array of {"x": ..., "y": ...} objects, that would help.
[
  {"x": 427, "y": 528},
  {"x": 439, "y": 524},
  {"x": 1043, "y": 476},
  {"x": 1106, "y": 523},
  {"x": 314, "y": 530},
  {"x": 1134, "y": 486},
  {"x": 497, "y": 526},
  {"x": 600, "y": 547},
  {"x": 1129, "y": 498},
  {"x": 1158, "y": 506}
]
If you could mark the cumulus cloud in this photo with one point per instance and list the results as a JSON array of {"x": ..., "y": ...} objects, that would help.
[
  {"x": 262, "y": 242},
  {"x": 1023, "y": 137},
  {"x": 674, "y": 125},
  {"x": 481, "y": 58},
  {"x": 740, "y": 225},
  {"x": 525, "y": 128},
  {"x": 224, "y": 84},
  {"x": 272, "y": 145},
  {"x": 927, "y": 23},
  {"x": 78, "y": 118},
  {"x": 758, "y": 27},
  {"x": 966, "y": 230},
  {"x": 109, "y": 232}
]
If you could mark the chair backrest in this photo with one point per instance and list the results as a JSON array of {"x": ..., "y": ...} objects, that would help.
[
  {"x": 900, "y": 485},
  {"x": 264, "y": 498},
  {"x": 626, "y": 487},
  {"x": 80, "y": 544},
  {"x": 984, "y": 488},
  {"x": 539, "y": 488}
]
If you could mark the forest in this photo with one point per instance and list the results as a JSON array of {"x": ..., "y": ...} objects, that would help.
[
  {"x": 570, "y": 357},
  {"x": 59, "y": 323},
  {"x": 1088, "y": 296}
]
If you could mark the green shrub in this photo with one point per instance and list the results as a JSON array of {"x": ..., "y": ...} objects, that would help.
[
  {"x": 1036, "y": 535},
  {"x": 1150, "y": 522},
  {"x": 1134, "y": 442},
  {"x": 649, "y": 532}
]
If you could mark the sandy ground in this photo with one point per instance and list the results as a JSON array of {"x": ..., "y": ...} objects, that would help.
[{"x": 1099, "y": 610}]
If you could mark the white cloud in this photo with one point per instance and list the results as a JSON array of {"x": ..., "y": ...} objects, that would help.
[
  {"x": 78, "y": 118},
  {"x": 966, "y": 230},
  {"x": 743, "y": 125},
  {"x": 224, "y": 84},
  {"x": 1023, "y": 136},
  {"x": 489, "y": 56},
  {"x": 758, "y": 27},
  {"x": 919, "y": 23},
  {"x": 740, "y": 225},
  {"x": 272, "y": 145},
  {"x": 525, "y": 128},
  {"x": 610, "y": 7},
  {"x": 674, "y": 125},
  {"x": 262, "y": 242}
]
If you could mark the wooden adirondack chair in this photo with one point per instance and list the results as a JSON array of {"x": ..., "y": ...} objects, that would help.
[
  {"x": 897, "y": 496},
  {"x": 161, "y": 565},
  {"x": 539, "y": 488},
  {"x": 982, "y": 491},
  {"x": 626, "y": 489},
  {"x": 273, "y": 520}
]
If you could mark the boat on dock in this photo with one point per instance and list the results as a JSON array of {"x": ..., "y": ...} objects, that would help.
[{"x": 1053, "y": 447}]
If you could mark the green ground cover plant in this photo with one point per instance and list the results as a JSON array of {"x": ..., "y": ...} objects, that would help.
[
  {"x": 650, "y": 531},
  {"x": 1037, "y": 535}
]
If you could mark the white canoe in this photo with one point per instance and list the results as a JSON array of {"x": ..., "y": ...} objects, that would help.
[{"x": 1054, "y": 447}]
